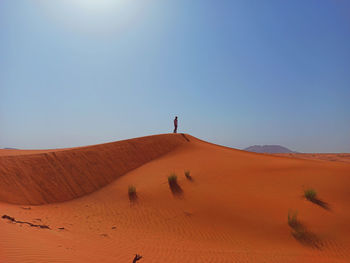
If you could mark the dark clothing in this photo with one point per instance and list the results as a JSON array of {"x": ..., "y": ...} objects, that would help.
[{"x": 175, "y": 125}]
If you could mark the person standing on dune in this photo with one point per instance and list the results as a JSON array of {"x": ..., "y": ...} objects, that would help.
[{"x": 175, "y": 124}]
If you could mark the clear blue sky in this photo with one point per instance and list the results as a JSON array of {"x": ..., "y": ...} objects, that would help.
[{"x": 236, "y": 72}]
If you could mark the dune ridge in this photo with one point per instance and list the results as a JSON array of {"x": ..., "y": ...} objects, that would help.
[{"x": 56, "y": 176}]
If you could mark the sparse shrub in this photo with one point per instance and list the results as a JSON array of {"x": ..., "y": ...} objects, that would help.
[
  {"x": 300, "y": 232},
  {"x": 293, "y": 219},
  {"x": 132, "y": 192},
  {"x": 172, "y": 180},
  {"x": 310, "y": 194},
  {"x": 174, "y": 186},
  {"x": 188, "y": 175}
]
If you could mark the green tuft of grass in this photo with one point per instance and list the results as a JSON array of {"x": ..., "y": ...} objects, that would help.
[
  {"x": 310, "y": 194},
  {"x": 188, "y": 175},
  {"x": 293, "y": 219},
  {"x": 172, "y": 179},
  {"x": 173, "y": 184}
]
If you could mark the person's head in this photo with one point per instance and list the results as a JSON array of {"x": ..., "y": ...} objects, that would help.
[{"x": 176, "y": 117}]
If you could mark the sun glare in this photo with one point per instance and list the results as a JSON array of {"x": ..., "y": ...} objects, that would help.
[
  {"x": 95, "y": 15},
  {"x": 98, "y": 5}
]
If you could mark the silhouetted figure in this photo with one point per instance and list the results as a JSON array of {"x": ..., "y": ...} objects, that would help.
[
  {"x": 175, "y": 125},
  {"x": 136, "y": 258}
]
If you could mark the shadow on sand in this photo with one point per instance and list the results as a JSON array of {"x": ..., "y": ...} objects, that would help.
[
  {"x": 305, "y": 237},
  {"x": 185, "y": 137},
  {"x": 320, "y": 203},
  {"x": 133, "y": 198},
  {"x": 176, "y": 189}
]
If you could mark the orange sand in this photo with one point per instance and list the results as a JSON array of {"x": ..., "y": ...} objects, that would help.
[
  {"x": 334, "y": 157},
  {"x": 234, "y": 210}
]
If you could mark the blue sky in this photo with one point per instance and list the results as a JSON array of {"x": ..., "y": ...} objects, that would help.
[{"x": 237, "y": 73}]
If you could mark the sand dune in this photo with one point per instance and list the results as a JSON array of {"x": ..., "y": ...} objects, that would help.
[
  {"x": 333, "y": 157},
  {"x": 234, "y": 210},
  {"x": 56, "y": 176}
]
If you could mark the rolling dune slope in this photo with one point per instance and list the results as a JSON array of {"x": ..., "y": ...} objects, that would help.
[
  {"x": 233, "y": 210},
  {"x": 55, "y": 176}
]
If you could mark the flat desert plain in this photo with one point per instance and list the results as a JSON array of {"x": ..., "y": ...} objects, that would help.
[
  {"x": 333, "y": 157},
  {"x": 73, "y": 205}
]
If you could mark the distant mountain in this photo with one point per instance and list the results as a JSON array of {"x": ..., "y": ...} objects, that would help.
[
  {"x": 10, "y": 148},
  {"x": 268, "y": 149}
]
